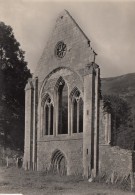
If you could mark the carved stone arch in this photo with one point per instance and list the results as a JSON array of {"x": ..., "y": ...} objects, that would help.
[
  {"x": 58, "y": 163},
  {"x": 76, "y": 111},
  {"x": 53, "y": 72},
  {"x": 56, "y": 80},
  {"x": 46, "y": 96},
  {"x": 75, "y": 93},
  {"x": 59, "y": 82}
]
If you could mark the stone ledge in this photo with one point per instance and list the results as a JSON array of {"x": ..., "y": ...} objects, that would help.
[{"x": 66, "y": 137}]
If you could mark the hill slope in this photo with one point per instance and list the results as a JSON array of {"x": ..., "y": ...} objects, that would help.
[{"x": 123, "y": 86}]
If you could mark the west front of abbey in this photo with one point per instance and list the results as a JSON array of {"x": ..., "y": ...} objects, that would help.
[{"x": 66, "y": 128}]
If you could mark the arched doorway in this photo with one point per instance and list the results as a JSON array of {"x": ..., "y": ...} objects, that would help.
[{"x": 58, "y": 163}]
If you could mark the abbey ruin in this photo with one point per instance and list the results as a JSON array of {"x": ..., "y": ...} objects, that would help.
[{"x": 66, "y": 128}]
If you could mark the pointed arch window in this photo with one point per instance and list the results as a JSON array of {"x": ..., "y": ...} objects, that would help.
[
  {"x": 62, "y": 106},
  {"x": 48, "y": 116},
  {"x": 77, "y": 112}
]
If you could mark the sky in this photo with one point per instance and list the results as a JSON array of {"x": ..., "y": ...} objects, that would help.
[{"x": 110, "y": 26}]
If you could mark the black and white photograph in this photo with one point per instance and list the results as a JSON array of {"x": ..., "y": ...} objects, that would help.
[{"x": 67, "y": 97}]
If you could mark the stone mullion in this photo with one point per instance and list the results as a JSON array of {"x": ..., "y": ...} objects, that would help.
[
  {"x": 77, "y": 116},
  {"x": 72, "y": 114},
  {"x": 57, "y": 113},
  {"x": 54, "y": 113},
  {"x": 60, "y": 113},
  {"x": 109, "y": 131},
  {"x": 54, "y": 118},
  {"x": 69, "y": 116},
  {"x": 44, "y": 121},
  {"x": 49, "y": 119}
]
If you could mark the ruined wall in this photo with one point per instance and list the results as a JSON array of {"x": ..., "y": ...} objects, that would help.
[
  {"x": 90, "y": 119},
  {"x": 124, "y": 137},
  {"x": 105, "y": 131},
  {"x": 101, "y": 125},
  {"x": 114, "y": 159},
  {"x": 70, "y": 146}
]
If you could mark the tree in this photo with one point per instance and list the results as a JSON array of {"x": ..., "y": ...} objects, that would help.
[
  {"x": 13, "y": 78},
  {"x": 120, "y": 113}
]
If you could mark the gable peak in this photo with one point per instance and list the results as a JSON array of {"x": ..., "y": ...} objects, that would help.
[{"x": 65, "y": 13}]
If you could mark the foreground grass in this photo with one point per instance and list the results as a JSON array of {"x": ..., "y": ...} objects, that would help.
[{"x": 13, "y": 180}]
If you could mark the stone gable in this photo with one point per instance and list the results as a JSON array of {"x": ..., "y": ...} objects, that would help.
[{"x": 78, "y": 50}]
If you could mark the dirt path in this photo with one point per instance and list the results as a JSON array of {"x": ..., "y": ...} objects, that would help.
[{"x": 13, "y": 180}]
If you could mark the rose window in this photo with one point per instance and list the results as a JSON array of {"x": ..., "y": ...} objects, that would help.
[{"x": 60, "y": 49}]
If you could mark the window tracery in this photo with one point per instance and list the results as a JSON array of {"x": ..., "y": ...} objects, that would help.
[
  {"x": 48, "y": 116},
  {"x": 77, "y": 112}
]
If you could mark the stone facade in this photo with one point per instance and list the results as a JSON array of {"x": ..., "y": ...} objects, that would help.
[{"x": 64, "y": 119}]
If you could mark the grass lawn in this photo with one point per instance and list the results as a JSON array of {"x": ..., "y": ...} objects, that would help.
[{"x": 13, "y": 180}]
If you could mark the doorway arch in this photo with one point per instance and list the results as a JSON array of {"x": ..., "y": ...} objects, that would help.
[{"x": 58, "y": 163}]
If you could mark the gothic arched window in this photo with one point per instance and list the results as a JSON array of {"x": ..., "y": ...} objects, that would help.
[
  {"x": 62, "y": 106},
  {"x": 77, "y": 112},
  {"x": 48, "y": 116}
]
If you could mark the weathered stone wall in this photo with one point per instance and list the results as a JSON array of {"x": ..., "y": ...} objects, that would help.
[
  {"x": 79, "y": 52},
  {"x": 105, "y": 134},
  {"x": 71, "y": 78},
  {"x": 101, "y": 125},
  {"x": 124, "y": 137},
  {"x": 114, "y": 160},
  {"x": 28, "y": 144},
  {"x": 88, "y": 138},
  {"x": 70, "y": 146}
]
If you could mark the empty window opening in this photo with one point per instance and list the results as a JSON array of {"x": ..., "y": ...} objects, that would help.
[
  {"x": 51, "y": 122},
  {"x": 62, "y": 108},
  {"x": 77, "y": 112},
  {"x": 81, "y": 115},
  {"x": 46, "y": 119},
  {"x": 75, "y": 116},
  {"x": 48, "y": 116}
]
